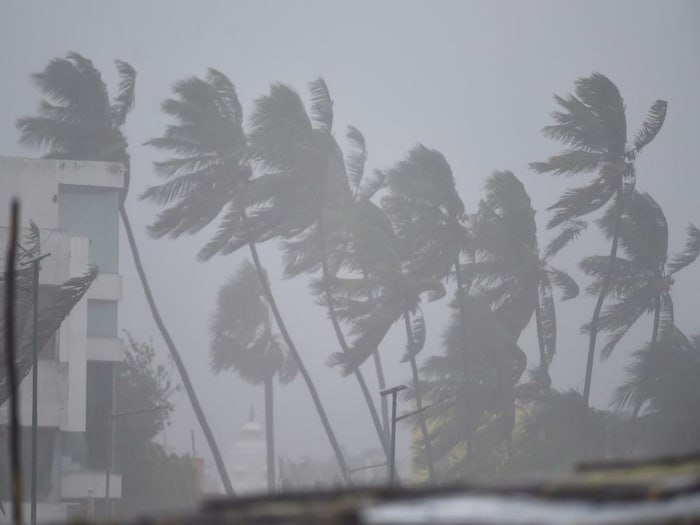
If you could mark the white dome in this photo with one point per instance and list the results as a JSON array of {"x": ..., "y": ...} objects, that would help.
[{"x": 251, "y": 428}]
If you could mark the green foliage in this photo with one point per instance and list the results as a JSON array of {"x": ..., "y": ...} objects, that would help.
[{"x": 153, "y": 480}]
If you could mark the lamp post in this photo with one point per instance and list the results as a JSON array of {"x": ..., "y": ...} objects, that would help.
[
  {"x": 110, "y": 445},
  {"x": 393, "y": 391},
  {"x": 35, "y": 376}
]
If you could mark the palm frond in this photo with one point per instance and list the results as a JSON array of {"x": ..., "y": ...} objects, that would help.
[
  {"x": 356, "y": 157},
  {"x": 230, "y": 236},
  {"x": 570, "y": 162},
  {"x": 618, "y": 318},
  {"x": 75, "y": 84},
  {"x": 652, "y": 125},
  {"x": 321, "y": 105},
  {"x": 124, "y": 101},
  {"x": 564, "y": 282},
  {"x": 689, "y": 254},
  {"x": 581, "y": 201},
  {"x": 59, "y": 301},
  {"x": 371, "y": 185},
  {"x": 568, "y": 232}
]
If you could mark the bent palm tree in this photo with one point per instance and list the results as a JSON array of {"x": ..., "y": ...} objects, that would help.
[
  {"x": 464, "y": 395},
  {"x": 306, "y": 195},
  {"x": 243, "y": 341},
  {"x": 78, "y": 121},
  {"x": 508, "y": 270},
  {"x": 210, "y": 175},
  {"x": 662, "y": 386},
  {"x": 426, "y": 213},
  {"x": 643, "y": 279},
  {"x": 592, "y": 124}
]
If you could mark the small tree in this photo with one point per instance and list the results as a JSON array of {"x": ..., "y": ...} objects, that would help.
[{"x": 153, "y": 480}]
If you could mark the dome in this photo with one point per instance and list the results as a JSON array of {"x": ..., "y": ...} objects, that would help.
[{"x": 251, "y": 429}]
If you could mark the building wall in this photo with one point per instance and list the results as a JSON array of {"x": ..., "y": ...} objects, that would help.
[{"x": 75, "y": 205}]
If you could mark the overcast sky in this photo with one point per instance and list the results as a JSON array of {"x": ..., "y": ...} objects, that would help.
[{"x": 472, "y": 79}]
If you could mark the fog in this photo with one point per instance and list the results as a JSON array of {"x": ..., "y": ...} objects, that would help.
[{"x": 473, "y": 80}]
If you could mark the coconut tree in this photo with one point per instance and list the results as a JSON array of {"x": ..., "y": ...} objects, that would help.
[
  {"x": 662, "y": 387},
  {"x": 209, "y": 176},
  {"x": 592, "y": 126},
  {"x": 509, "y": 271},
  {"x": 427, "y": 215},
  {"x": 243, "y": 341},
  {"x": 305, "y": 197},
  {"x": 76, "y": 120},
  {"x": 464, "y": 397},
  {"x": 644, "y": 275},
  {"x": 389, "y": 290}
]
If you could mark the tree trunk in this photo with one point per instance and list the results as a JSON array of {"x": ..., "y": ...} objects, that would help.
[
  {"x": 300, "y": 364},
  {"x": 419, "y": 405},
  {"x": 601, "y": 298},
  {"x": 381, "y": 382},
  {"x": 657, "y": 319},
  {"x": 343, "y": 343},
  {"x": 189, "y": 388},
  {"x": 540, "y": 334},
  {"x": 654, "y": 341},
  {"x": 463, "y": 322},
  {"x": 270, "y": 435}
]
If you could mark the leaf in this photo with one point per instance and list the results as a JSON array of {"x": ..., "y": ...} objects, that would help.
[
  {"x": 570, "y": 162},
  {"x": 565, "y": 282},
  {"x": 124, "y": 101},
  {"x": 371, "y": 185},
  {"x": 652, "y": 125},
  {"x": 321, "y": 105},
  {"x": 618, "y": 318},
  {"x": 689, "y": 254},
  {"x": 356, "y": 157},
  {"x": 569, "y": 231},
  {"x": 581, "y": 201}
]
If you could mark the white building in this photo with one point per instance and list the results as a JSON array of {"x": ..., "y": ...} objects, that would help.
[
  {"x": 248, "y": 459},
  {"x": 76, "y": 207}
]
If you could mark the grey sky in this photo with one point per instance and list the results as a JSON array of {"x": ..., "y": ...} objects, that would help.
[{"x": 472, "y": 79}]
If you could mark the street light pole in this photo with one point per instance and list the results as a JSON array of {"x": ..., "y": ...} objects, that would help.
[
  {"x": 110, "y": 444},
  {"x": 393, "y": 391},
  {"x": 35, "y": 377}
]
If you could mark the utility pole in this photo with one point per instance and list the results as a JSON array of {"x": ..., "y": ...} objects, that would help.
[
  {"x": 393, "y": 391},
  {"x": 35, "y": 377}
]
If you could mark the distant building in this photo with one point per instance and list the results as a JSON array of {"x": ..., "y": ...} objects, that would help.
[
  {"x": 248, "y": 458},
  {"x": 76, "y": 207}
]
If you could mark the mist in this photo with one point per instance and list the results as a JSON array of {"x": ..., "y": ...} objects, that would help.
[{"x": 473, "y": 81}]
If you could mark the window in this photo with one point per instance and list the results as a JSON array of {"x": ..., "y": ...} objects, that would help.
[
  {"x": 102, "y": 318},
  {"x": 93, "y": 213}
]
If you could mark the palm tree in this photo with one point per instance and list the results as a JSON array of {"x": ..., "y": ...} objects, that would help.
[
  {"x": 305, "y": 195},
  {"x": 405, "y": 251},
  {"x": 427, "y": 215},
  {"x": 466, "y": 395},
  {"x": 243, "y": 340},
  {"x": 662, "y": 387},
  {"x": 210, "y": 175},
  {"x": 643, "y": 279},
  {"x": 592, "y": 125},
  {"x": 78, "y": 121},
  {"x": 508, "y": 270}
]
